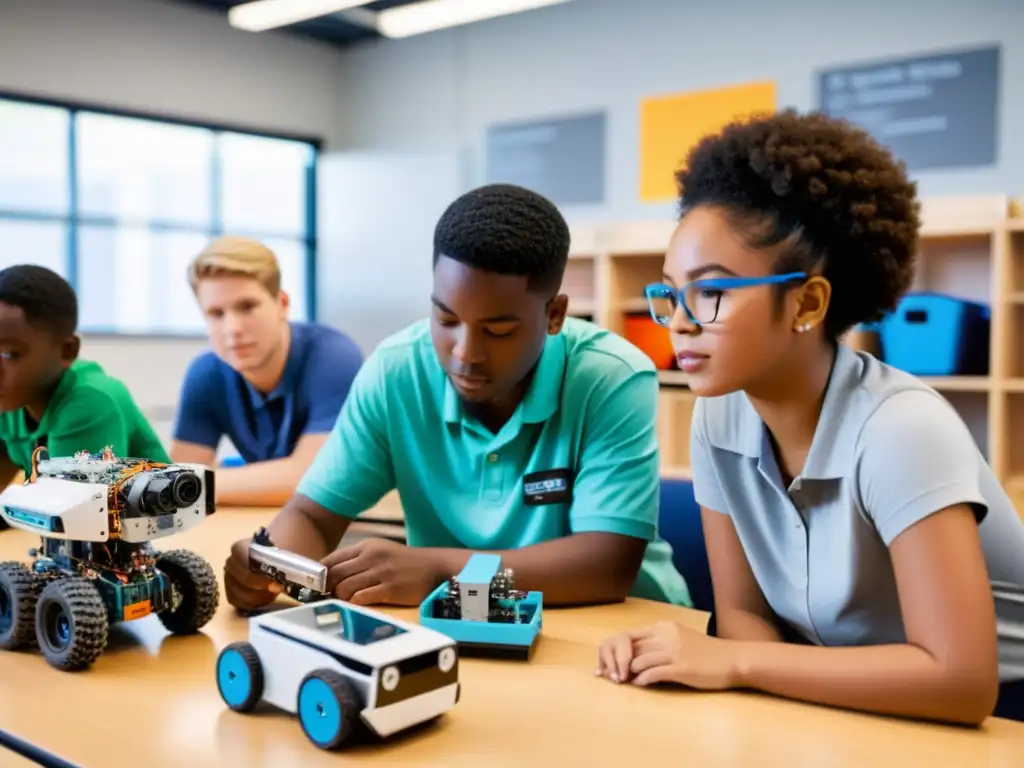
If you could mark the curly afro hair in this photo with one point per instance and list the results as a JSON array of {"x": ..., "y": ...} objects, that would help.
[
  {"x": 833, "y": 198},
  {"x": 47, "y": 300},
  {"x": 509, "y": 230}
]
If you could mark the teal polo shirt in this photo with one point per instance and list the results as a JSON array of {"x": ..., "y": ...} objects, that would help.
[
  {"x": 888, "y": 452},
  {"x": 589, "y": 417}
]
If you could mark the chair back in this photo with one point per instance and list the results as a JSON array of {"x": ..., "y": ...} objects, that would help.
[{"x": 680, "y": 525}]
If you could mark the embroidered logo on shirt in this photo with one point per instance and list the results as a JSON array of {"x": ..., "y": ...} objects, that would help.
[{"x": 550, "y": 487}]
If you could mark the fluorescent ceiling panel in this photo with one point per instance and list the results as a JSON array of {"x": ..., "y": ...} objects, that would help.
[
  {"x": 432, "y": 15},
  {"x": 262, "y": 15}
]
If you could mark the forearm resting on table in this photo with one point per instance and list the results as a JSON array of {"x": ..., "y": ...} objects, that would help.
[
  {"x": 898, "y": 680},
  {"x": 738, "y": 624},
  {"x": 262, "y": 484},
  {"x": 574, "y": 570}
]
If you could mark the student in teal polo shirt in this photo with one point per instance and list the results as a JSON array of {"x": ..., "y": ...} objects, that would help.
[
  {"x": 864, "y": 555},
  {"x": 505, "y": 427}
]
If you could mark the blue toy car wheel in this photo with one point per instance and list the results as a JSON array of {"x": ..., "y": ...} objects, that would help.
[
  {"x": 240, "y": 676},
  {"x": 328, "y": 708}
]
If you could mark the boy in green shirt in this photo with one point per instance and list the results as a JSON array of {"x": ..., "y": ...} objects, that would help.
[{"x": 48, "y": 397}]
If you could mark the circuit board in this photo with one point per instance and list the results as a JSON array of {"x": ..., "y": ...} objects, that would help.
[{"x": 85, "y": 467}]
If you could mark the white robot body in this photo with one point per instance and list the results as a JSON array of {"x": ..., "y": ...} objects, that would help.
[
  {"x": 70, "y": 500},
  {"x": 58, "y": 509},
  {"x": 334, "y": 663}
]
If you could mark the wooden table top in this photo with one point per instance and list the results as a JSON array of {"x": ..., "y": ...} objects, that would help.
[{"x": 153, "y": 698}]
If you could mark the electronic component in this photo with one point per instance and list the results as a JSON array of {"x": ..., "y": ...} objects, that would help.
[
  {"x": 302, "y": 578},
  {"x": 484, "y": 612},
  {"x": 97, "y": 515}
]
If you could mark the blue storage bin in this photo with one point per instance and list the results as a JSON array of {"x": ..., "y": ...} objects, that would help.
[{"x": 932, "y": 334}]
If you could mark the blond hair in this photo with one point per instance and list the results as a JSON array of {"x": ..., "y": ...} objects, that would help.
[{"x": 237, "y": 256}]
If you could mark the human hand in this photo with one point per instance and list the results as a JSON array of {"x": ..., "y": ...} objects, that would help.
[
  {"x": 668, "y": 652},
  {"x": 375, "y": 571},
  {"x": 245, "y": 589}
]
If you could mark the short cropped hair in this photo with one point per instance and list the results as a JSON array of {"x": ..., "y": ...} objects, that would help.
[
  {"x": 830, "y": 196},
  {"x": 237, "y": 256},
  {"x": 509, "y": 230},
  {"x": 47, "y": 299}
]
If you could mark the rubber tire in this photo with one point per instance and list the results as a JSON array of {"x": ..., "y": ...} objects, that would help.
[
  {"x": 243, "y": 658},
  {"x": 20, "y": 589},
  {"x": 327, "y": 694},
  {"x": 200, "y": 595},
  {"x": 88, "y": 626}
]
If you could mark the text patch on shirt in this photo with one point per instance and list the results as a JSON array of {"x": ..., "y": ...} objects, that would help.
[{"x": 553, "y": 486}]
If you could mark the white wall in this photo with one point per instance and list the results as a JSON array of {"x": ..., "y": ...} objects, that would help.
[
  {"x": 438, "y": 93},
  {"x": 375, "y": 274},
  {"x": 175, "y": 59},
  {"x": 158, "y": 57},
  {"x": 431, "y": 98},
  {"x": 442, "y": 90}
]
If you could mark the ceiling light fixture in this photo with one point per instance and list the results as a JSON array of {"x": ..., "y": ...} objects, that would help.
[
  {"x": 432, "y": 15},
  {"x": 261, "y": 15}
]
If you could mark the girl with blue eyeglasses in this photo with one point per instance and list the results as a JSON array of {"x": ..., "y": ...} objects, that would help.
[{"x": 863, "y": 553}]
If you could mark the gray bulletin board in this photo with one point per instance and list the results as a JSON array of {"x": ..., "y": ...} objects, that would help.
[
  {"x": 935, "y": 111},
  {"x": 562, "y": 159}
]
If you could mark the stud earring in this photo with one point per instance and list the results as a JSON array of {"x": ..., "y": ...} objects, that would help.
[{"x": 804, "y": 327}]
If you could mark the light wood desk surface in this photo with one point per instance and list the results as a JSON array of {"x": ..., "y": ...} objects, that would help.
[{"x": 152, "y": 699}]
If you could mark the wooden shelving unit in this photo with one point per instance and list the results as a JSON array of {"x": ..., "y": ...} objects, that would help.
[{"x": 972, "y": 248}]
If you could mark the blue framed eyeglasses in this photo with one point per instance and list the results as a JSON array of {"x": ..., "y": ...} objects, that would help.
[{"x": 702, "y": 299}]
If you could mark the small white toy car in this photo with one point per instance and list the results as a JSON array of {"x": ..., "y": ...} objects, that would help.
[{"x": 341, "y": 667}]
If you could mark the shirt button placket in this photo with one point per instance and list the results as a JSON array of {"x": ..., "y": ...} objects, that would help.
[{"x": 495, "y": 476}]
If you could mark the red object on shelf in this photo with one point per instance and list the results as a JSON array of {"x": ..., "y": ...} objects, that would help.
[{"x": 642, "y": 331}]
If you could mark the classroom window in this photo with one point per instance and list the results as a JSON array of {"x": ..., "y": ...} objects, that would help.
[
  {"x": 34, "y": 177},
  {"x": 34, "y": 242},
  {"x": 119, "y": 205}
]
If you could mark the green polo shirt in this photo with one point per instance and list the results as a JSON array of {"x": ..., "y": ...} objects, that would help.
[
  {"x": 88, "y": 411},
  {"x": 586, "y": 425}
]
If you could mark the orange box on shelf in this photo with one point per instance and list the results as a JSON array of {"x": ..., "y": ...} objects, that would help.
[{"x": 641, "y": 330}]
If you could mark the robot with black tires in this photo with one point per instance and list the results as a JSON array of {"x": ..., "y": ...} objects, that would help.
[{"x": 97, "y": 516}]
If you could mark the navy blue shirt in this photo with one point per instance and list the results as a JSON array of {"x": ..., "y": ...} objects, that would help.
[{"x": 216, "y": 400}]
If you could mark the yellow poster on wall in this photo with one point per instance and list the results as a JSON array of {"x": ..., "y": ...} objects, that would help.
[{"x": 671, "y": 125}]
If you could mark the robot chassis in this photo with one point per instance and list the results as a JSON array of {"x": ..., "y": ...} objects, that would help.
[
  {"x": 503, "y": 601},
  {"x": 97, "y": 516}
]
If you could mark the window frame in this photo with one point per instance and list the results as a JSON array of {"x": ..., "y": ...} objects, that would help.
[{"x": 74, "y": 220}]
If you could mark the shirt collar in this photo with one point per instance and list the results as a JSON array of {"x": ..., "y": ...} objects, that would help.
[
  {"x": 543, "y": 395},
  {"x": 832, "y": 449},
  {"x": 289, "y": 376}
]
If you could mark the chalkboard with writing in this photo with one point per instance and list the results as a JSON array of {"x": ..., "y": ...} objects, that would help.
[
  {"x": 562, "y": 158},
  {"x": 936, "y": 111}
]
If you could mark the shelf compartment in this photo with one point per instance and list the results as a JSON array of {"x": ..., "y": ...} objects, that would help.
[
  {"x": 629, "y": 275},
  {"x": 579, "y": 284},
  {"x": 1014, "y": 436},
  {"x": 1015, "y": 342},
  {"x": 1016, "y": 288},
  {"x": 956, "y": 266}
]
